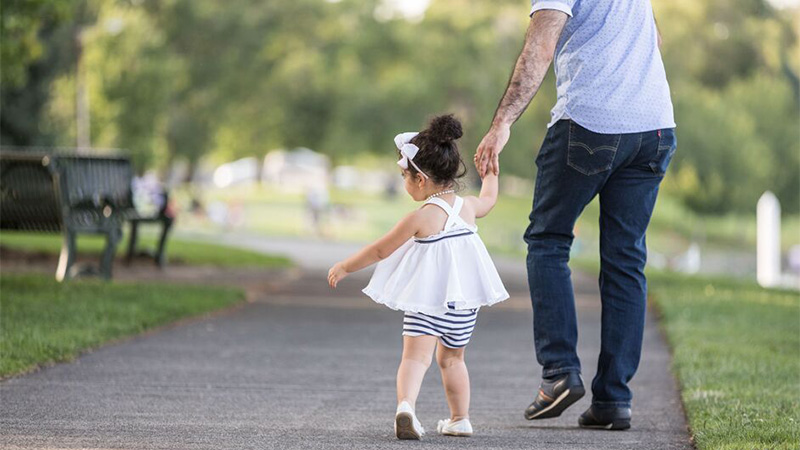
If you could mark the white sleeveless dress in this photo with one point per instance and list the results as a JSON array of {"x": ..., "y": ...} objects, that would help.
[{"x": 450, "y": 267}]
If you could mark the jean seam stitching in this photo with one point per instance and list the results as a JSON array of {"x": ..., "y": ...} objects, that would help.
[
  {"x": 659, "y": 151},
  {"x": 579, "y": 144}
]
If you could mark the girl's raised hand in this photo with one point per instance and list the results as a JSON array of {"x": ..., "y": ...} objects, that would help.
[{"x": 336, "y": 273}]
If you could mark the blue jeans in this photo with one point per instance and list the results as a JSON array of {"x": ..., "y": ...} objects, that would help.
[{"x": 625, "y": 170}]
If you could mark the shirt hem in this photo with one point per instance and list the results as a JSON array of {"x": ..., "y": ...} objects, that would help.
[{"x": 593, "y": 129}]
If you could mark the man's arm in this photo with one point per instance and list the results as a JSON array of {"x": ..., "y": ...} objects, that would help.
[{"x": 532, "y": 65}]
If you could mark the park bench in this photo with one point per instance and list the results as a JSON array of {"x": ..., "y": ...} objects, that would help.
[
  {"x": 162, "y": 217},
  {"x": 55, "y": 191}
]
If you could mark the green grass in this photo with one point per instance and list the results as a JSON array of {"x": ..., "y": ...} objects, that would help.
[
  {"x": 359, "y": 216},
  {"x": 736, "y": 353},
  {"x": 193, "y": 253},
  {"x": 42, "y": 321}
]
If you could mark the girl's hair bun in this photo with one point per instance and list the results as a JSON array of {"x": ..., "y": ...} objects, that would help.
[
  {"x": 438, "y": 155},
  {"x": 444, "y": 128}
]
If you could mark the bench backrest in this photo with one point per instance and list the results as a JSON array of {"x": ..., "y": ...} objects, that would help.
[
  {"x": 43, "y": 192},
  {"x": 29, "y": 198}
]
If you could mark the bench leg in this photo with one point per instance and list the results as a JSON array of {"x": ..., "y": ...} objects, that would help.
[
  {"x": 107, "y": 261},
  {"x": 67, "y": 257},
  {"x": 132, "y": 242},
  {"x": 161, "y": 257}
]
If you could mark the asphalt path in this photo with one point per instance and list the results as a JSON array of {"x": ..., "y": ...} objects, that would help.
[{"x": 306, "y": 367}]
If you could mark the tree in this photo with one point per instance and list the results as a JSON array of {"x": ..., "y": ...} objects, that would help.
[
  {"x": 188, "y": 79},
  {"x": 35, "y": 46}
]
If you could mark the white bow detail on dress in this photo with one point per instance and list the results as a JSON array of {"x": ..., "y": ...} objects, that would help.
[{"x": 407, "y": 150}]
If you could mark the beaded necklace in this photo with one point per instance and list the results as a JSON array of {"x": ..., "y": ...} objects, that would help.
[{"x": 439, "y": 194}]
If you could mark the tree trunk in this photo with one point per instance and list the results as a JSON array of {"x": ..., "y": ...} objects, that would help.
[{"x": 82, "y": 115}]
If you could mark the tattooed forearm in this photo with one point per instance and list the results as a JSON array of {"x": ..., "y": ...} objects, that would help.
[{"x": 532, "y": 65}]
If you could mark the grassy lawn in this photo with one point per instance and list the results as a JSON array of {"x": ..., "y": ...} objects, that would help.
[
  {"x": 358, "y": 216},
  {"x": 194, "y": 253},
  {"x": 42, "y": 321},
  {"x": 736, "y": 353}
]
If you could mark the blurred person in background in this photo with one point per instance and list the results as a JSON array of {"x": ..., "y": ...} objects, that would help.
[
  {"x": 318, "y": 202},
  {"x": 149, "y": 195}
]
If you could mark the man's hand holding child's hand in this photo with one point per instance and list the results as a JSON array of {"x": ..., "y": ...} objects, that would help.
[{"x": 336, "y": 274}]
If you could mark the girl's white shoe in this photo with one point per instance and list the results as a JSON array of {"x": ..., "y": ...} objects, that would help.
[
  {"x": 461, "y": 427},
  {"x": 406, "y": 425}
]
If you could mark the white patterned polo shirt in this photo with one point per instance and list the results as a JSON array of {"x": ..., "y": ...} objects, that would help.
[{"x": 609, "y": 75}]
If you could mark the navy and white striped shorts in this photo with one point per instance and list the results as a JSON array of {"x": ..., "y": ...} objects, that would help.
[{"x": 454, "y": 328}]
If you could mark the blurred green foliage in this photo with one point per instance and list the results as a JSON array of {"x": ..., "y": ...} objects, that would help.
[
  {"x": 182, "y": 79},
  {"x": 22, "y": 22}
]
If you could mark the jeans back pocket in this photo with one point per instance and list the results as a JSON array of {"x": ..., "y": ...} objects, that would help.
[
  {"x": 667, "y": 144},
  {"x": 591, "y": 153}
]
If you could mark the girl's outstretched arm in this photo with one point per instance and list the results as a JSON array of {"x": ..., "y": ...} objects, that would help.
[
  {"x": 378, "y": 250},
  {"x": 488, "y": 196}
]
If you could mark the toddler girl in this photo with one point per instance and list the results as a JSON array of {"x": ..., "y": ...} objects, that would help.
[{"x": 434, "y": 267}]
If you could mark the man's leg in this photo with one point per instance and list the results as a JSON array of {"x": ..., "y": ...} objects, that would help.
[
  {"x": 626, "y": 204},
  {"x": 573, "y": 164},
  {"x": 565, "y": 183}
]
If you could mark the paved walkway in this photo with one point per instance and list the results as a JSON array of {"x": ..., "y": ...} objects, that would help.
[{"x": 304, "y": 367}]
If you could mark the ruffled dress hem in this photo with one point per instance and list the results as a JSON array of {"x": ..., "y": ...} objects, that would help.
[{"x": 459, "y": 304}]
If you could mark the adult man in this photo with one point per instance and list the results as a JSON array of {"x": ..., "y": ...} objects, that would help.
[{"x": 612, "y": 135}]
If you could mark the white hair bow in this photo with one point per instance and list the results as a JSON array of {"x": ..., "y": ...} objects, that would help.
[{"x": 407, "y": 150}]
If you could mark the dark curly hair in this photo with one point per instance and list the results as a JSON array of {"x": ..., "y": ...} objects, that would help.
[{"x": 438, "y": 154}]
